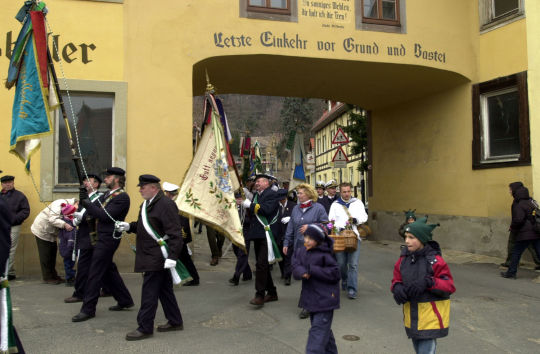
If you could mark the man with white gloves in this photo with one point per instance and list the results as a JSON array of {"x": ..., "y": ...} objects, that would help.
[
  {"x": 285, "y": 209},
  {"x": 158, "y": 223}
]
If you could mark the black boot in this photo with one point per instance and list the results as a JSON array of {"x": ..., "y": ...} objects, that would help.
[{"x": 234, "y": 280}]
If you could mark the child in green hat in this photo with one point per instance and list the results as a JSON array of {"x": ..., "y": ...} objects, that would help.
[
  {"x": 410, "y": 217},
  {"x": 423, "y": 283}
]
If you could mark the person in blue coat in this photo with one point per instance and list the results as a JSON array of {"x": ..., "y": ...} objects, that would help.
[{"x": 320, "y": 274}]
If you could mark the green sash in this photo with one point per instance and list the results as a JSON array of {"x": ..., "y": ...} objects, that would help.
[{"x": 273, "y": 251}]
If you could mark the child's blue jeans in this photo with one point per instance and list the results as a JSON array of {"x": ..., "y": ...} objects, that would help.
[
  {"x": 424, "y": 346},
  {"x": 321, "y": 339},
  {"x": 68, "y": 268}
]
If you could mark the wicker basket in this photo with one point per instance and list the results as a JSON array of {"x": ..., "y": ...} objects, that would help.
[
  {"x": 351, "y": 241},
  {"x": 339, "y": 243}
]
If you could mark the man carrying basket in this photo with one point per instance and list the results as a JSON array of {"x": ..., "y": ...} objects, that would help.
[{"x": 347, "y": 213}]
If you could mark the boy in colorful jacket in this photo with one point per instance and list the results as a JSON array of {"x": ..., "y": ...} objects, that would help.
[{"x": 423, "y": 283}]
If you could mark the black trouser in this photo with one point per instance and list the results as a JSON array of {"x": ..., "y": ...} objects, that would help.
[
  {"x": 157, "y": 286},
  {"x": 285, "y": 266},
  {"x": 104, "y": 271},
  {"x": 83, "y": 268},
  {"x": 215, "y": 241},
  {"x": 242, "y": 264},
  {"x": 510, "y": 248},
  {"x": 47, "y": 258},
  {"x": 185, "y": 258},
  {"x": 263, "y": 278},
  {"x": 519, "y": 248}
]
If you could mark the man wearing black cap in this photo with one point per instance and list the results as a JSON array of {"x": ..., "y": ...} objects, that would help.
[
  {"x": 265, "y": 204},
  {"x": 158, "y": 222},
  {"x": 114, "y": 206},
  {"x": 84, "y": 244},
  {"x": 18, "y": 204}
]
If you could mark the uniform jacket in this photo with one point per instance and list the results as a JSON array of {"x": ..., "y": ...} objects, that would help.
[
  {"x": 327, "y": 201},
  {"x": 5, "y": 234},
  {"x": 428, "y": 316},
  {"x": 48, "y": 222},
  {"x": 321, "y": 291},
  {"x": 163, "y": 216},
  {"x": 281, "y": 228},
  {"x": 186, "y": 230},
  {"x": 267, "y": 206},
  {"x": 18, "y": 204},
  {"x": 117, "y": 208},
  {"x": 83, "y": 233},
  {"x": 340, "y": 217},
  {"x": 311, "y": 215},
  {"x": 522, "y": 220}
]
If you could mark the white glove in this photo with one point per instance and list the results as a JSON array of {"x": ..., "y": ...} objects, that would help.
[
  {"x": 169, "y": 263},
  {"x": 246, "y": 203},
  {"x": 121, "y": 226},
  {"x": 77, "y": 218},
  {"x": 285, "y": 220}
]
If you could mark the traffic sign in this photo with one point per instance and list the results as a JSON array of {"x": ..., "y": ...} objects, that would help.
[
  {"x": 340, "y": 158},
  {"x": 340, "y": 137}
]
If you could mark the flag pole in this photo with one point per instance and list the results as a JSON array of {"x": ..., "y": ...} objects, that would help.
[{"x": 74, "y": 153}]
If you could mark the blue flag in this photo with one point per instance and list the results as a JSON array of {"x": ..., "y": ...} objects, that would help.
[{"x": 31, "y": 116}]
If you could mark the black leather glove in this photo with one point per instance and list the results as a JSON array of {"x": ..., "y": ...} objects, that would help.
[
  {"x": 416, "y": 288},
  {"x": 400, "y": 296},
  {"x": 355, "y": 221},
  {"x": 83, "y": 194}
]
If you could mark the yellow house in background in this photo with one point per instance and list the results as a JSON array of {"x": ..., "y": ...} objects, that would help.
[
  {"x": 450, "y": 88},
  {"x": 326, "y": 129}
]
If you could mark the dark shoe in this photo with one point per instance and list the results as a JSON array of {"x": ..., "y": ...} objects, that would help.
[
  {"x": 72, "y": 299},
  {"x": 270, "y": 298},
  {"x": 169, "y": 327},
  {"x": 81, "y": 316},
  {"x": 11, "y": 277},
  {"x": 257, "y": 301},
  {"x": 537, "y": 267},
  {"x": 53, "y": 281},
  {"x": 120, "y": 307},
  {"x": 505, "y": 264},
  {"x": 507, "y": 275},
  {"x": 303, "y": 314},
  {"x": 234, "y": 281},
  {"x": 60, "y": 279},
  {"x": 136, "y": 335},
  {"x": 214, "y": 261},
  {"x": 192, "y": 283},
  {"x": 247, "y": 278},
  {"x": 70, "y": 282},
  {"x": 287, "y": 281}
]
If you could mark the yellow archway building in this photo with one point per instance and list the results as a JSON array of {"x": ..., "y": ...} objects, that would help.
[{"x": 434, "y": 76}]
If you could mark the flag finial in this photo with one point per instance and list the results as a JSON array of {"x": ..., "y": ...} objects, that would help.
[{"x": 209, "y": 87}]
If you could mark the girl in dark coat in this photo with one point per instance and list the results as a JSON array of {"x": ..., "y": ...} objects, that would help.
[
  {"x": 523, "y": 227},
  {"x": 320, "y": 275}
]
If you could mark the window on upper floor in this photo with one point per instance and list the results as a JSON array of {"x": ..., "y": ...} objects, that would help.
[
  {"x": 324, "y": 143},
  {"x": 501, "y": 122},
  {"x": 383, "y": 12},
  {"x": 494, "y": 13},
  {"x": 270, "y": 6},
  {"x": 319, "y": 146}
]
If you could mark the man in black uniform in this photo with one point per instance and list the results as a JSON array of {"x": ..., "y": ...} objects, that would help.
[
  {"x": 84, "y": 244},
  {"x": 285, "y": 209},
  {"x": 265, "y": 204},
  {"x": 20, "y": 209},
  {"x": 171, "y": 191},
  {"x": 158, "y": 221},
  {"x": 102, "y": 269}
]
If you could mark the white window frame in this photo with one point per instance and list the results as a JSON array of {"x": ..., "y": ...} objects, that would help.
[
  {"x": 488, "y": 20},
  {"x": 486, "y": 154}
]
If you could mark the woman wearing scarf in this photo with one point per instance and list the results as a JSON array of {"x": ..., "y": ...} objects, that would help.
[
  {"x": 306, "y": 212},
  {"x": 348, "y": 211}
]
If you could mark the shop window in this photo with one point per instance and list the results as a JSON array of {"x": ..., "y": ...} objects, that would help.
[
  {"x": 497, "y": 12},
  {"x": 383, "y": 12},
  {"x": 501, "y": 122},
  {"x": 270, "y": 6}
]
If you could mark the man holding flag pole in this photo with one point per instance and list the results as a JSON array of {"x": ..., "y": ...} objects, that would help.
[{"x": 159, "y": 243}]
